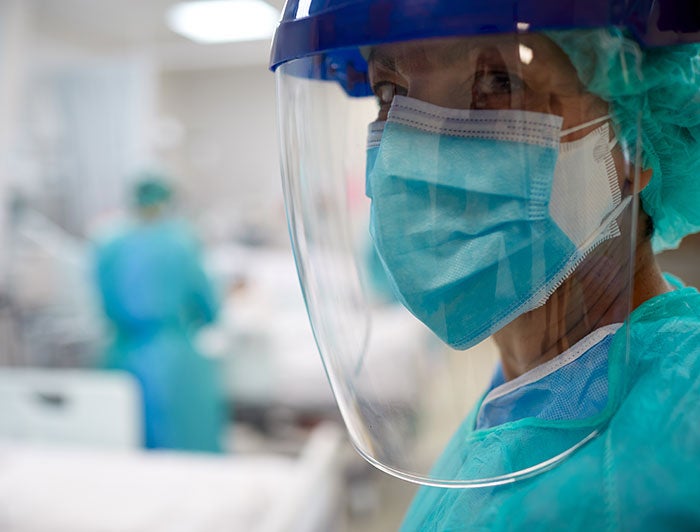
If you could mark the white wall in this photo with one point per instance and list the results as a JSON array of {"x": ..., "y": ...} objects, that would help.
[
  {"x": 227, "y": 157},
  {"x": 94, "y": 110},
  {"x": 83, "y": 123},
  {"x": 14, "y": 21},
  {"x": 87, "y": 127}
]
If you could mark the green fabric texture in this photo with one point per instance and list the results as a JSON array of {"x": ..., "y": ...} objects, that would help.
[
  {"x": 659, "y": 90},
  {"x": 640, "y": 473}
]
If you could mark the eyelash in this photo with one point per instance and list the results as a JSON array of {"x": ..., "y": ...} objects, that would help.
[
  {"x": 487, "y": 84},
  {"x": 508, "y": 83}
]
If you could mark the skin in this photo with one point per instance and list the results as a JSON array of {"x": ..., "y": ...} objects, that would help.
[
  {"x": 530, "y": 72},
  {"x": 148, "y": 213}
]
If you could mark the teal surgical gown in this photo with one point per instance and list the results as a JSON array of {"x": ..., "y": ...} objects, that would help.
[
  {"x": 156, "y": 295},
  {"x": 641, "y": 473}
]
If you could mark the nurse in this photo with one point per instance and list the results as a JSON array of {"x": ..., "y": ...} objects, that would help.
[
  {"x": 523, "y": 163},
  {"x": 156, "y": 296}
]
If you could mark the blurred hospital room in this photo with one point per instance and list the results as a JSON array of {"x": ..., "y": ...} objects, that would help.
[{"x": 157, "y": 367}]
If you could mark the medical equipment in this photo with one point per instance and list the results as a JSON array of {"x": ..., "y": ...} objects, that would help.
[{"x": 90, "y": 490}]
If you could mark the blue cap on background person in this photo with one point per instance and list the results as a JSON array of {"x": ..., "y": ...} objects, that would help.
[{"x": 151, "y": 189}]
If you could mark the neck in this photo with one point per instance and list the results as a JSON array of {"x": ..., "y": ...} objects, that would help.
[
  {"x": 597, "y": 294},
  {"x": 649, "y": 281}
]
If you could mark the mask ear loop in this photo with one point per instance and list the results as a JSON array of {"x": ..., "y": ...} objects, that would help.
[{"x": 565, "y": 132}]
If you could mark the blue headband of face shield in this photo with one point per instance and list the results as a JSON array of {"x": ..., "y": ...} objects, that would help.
[{"x": 328, "y": 33}]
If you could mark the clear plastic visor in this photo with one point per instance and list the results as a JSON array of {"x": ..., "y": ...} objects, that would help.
[{"x": 464, "y": 240}]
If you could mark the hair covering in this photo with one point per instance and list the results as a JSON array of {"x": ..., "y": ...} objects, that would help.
[
  {"x": 660, "y": 86},
  {"x": 151, "y": 189}
]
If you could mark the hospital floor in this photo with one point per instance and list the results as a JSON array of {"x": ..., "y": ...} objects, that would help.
[{"x": 382, "y": 505}]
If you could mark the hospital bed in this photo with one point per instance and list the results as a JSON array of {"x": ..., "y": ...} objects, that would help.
[
  {"x": 71, "y": 489},
  {"x": 70, "y": 462},
  {"x": 95, "y": 408}
]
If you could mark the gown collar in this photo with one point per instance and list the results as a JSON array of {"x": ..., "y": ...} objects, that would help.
[{"x": 572, "y": 385}]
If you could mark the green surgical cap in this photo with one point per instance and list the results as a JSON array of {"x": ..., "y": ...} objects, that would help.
[
  {"x": 659, "y": 89},
  {"x": 151, "y": 190}
]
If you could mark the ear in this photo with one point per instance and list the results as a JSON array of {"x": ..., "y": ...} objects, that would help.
[{"x": 644, "y": 178}]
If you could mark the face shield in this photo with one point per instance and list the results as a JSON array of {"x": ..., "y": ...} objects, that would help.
[{"x": 464, "y": 214}]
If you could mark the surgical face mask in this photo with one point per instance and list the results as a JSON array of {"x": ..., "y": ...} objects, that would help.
[{"x": 479, "y": 216}]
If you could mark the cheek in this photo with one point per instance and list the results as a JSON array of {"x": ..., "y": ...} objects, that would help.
[
  {"x": 577, "y": 109},
  {"x": 440, "y": 88},
  {"x": 539, "y": 102}
]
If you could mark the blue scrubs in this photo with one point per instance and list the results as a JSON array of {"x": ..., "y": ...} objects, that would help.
[
  {"x": 641, "y": 473},
  {"x": 156, "y": 295}
]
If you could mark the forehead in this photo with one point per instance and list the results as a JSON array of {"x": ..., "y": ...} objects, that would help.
[{"x": 529, "y": 52}]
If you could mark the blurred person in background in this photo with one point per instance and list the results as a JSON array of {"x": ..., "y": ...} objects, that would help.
[{"x": 156, "y": 295}]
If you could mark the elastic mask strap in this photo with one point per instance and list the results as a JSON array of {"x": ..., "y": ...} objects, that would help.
[
  {"x": 565, "y": 132},
  {"x": 607, "y": 221}
]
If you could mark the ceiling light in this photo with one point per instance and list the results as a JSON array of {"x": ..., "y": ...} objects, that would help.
[{"x": 217, "y": 21}]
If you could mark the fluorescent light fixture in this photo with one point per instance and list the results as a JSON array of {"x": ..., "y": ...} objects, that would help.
[{"x": 218, "y": 21}]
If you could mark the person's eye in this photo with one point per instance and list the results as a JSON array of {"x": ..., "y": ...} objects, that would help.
[
  {"x": 496, "y": 83},
  {"x": 495, "y": 89}
]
